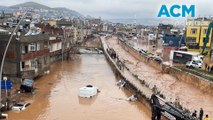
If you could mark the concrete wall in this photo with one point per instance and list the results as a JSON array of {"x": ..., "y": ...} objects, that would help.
[{"x": 198, "y": 82}]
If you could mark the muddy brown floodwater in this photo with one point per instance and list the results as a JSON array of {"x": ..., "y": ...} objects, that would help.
[{"x": 57, "y": 94}]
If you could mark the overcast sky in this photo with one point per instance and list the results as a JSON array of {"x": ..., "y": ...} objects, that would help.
[{"x": 122, "y": 9}]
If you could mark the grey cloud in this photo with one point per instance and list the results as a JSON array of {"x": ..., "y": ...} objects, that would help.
[{"x": 119, "y": 8}]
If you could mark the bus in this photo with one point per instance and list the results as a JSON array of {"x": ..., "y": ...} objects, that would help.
[{"x": 184, "y": 56}]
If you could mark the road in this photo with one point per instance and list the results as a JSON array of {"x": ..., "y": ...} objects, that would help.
[
  {"x": 173, "y": 89},
  {"x": 57, "y": 94}
]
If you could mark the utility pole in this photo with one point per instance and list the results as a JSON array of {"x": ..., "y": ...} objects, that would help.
[{"x": 5, "y": 52}]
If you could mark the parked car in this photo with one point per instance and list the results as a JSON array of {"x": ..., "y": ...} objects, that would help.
[
  {"x": 27, "y": 85},
  {"x": 193, "y": 64},
  {"x": 20, "y": 106},
  {"x": 144, "y": 52},
  {"x": 3, "y": 107}
]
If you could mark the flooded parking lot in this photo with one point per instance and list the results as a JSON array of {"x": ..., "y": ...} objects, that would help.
[{"x": 57, "y": 94}]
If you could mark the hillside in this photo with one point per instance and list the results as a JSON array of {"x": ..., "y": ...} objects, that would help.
[
  {"x": 31, "y": 4},
  {"x": 59, "y": 11}
]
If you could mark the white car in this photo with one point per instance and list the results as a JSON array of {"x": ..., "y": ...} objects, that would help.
[
  {"x": 20, "y": 106},
  {"x": 193, "y": 64}
]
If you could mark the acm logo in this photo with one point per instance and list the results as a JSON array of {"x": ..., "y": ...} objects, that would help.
[{"x": 177, "y": 11}]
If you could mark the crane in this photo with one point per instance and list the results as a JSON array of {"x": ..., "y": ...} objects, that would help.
[{"x": 207, "y": 38}]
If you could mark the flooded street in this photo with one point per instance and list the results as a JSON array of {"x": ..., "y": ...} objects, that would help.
[{"x": 57, "y": 94}]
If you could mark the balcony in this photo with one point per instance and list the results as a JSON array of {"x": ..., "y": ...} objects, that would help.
[{"x": 36, "y": 54}]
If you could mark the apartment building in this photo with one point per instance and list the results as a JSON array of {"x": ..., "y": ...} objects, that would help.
[{"x": 196, "y": 33}]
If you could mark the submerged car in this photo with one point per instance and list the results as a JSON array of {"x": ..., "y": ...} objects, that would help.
[
  {"x": 20, "y": 106},
  {"x": 27, "y": 85},
  {"x": 88, "y": 91},
  {"x": 99, "y": 51},
  {"x": 3, "y": 116}
]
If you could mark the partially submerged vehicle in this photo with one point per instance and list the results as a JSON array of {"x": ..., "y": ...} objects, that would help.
[
  {"x": 20, "y": 106},
  {"x": 99, "y": 51},
  {"x": 132, "y": 98},
  {"x": 27, "y": 85},
  {"x": 121, "y": 83},
  {"x": 3, "y": 116},
  {"x": 88, "y": 91}
]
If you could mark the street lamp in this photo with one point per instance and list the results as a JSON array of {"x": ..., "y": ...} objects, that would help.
[{"x": 5, "y": 52}]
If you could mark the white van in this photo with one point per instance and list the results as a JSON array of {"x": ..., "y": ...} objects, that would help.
[{"x": 88, "y": 92}]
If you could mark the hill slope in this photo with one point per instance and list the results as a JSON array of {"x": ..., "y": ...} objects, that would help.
[{"x": 31, "y": 4}]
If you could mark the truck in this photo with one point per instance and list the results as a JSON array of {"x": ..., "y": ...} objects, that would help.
[{"x": 184, "y": 56}]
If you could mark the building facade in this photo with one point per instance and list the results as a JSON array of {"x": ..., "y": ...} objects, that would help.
[
  {"x": 196, "y": 33},
  {"x": 27, "y": 56}
]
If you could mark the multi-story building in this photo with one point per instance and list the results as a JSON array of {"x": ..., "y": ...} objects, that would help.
[
  {"x": 196, "y": 33},
  {"x": 27, "y": 56},
  {"x": 59, "y": 41},
  {"x": 164, "y": 29},
  {"x": 55, "y": 46}
]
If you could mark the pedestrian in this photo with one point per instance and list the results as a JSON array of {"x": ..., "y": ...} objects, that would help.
[
  {"x": 123, "y": 65},
  {"x": 154, "y": 89},
  {"x": 207, "y": 117},
  {"x": 206, "y": 66},
  {"x": 194, "y": 114},
  {"x": 210, "y": 67},
  {"x": 201, "y": 114}
]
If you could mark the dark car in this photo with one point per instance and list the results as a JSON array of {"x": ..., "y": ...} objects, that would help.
[
  {"x": 158, "y": 59},
  {"x": 27, "y": 85}
]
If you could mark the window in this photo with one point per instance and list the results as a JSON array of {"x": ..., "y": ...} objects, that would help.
[
  {"x": 23, "y": 49},
  {"x": 191, "y": 40},
  {"x": 38, "y": 46},
  {"x": 204, "y": 31},
  {"x": 193, "y": 31},
  {"x": 33, "y": 64},
  {"x": 32, "y": 47},
  {"x": 22, "y": 65}
]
